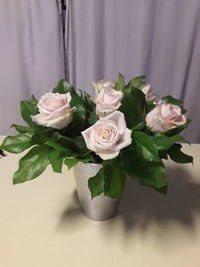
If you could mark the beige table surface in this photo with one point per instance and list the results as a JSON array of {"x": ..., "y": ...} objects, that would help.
[{"x": 41, "y": 224}]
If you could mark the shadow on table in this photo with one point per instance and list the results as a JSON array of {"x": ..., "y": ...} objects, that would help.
[
  {"x": 72, "y": 215},
  {"x": 142, "y": 205}
]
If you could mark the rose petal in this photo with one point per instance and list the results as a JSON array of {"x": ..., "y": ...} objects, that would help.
[
  {"x": 87, "y": 137},
  {"x": 108, "y": 155},
  {"x": 153, "y": 121},
  {"x": 99, "y": 85},
  {"x": 108, "y": 135},
  {"x": 107, "y": 101},
  {"x": 147, "y": 90},
  {"x": 55, "y": 110},
  {"x": 118, "y": 118},
  {"x": 39, "y": 119},
  {"x": 125, "y": 140},
  {"x": 58, "y": 113},
  {"x": 58, "y": 123},
  {"x": 165, "y": 116}
]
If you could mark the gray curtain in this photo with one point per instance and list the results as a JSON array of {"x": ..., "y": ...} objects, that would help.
[
  {"x": 158, "y": 38},
  {"x": 31, "y": 53}
]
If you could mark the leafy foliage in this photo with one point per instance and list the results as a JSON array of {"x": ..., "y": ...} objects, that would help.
[
  {"x": 150, "y": 105},
  {"x": 90, "y": 108},
  {"x": 56, "y": 160},
  {"x": 147, "y": 172},
  {"x": 110, "y": 180},
  {"x": 137, "y": 82},
  {"x": 63, "y": 87},
  {"x": 32, "y": 164},
  {"x": 178, "y": 156},
  {"x": 132, "y": 105},
  {"x": 96, "y": 183},
  {"x": 142, "y": 160},
  {"x": 21, "y": 129},
  {"x": 120, "y": 83},
  {"x": 29, "y": 109},
  {"x": 164, "y": 142},
  {"x": 17, "y": 144},
  {"x": 146, "y": 147}
]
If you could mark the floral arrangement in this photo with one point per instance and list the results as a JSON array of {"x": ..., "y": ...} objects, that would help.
[{"x": 123, "y": 127}]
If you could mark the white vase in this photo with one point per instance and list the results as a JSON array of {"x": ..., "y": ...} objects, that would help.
[{"x": 99, "y": 208}]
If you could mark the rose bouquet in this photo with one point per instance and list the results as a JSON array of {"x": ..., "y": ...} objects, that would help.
[{"x": 123, "y": 128}]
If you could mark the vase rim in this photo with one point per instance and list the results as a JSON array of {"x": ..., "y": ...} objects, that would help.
[{"x": 90, "y": 163}]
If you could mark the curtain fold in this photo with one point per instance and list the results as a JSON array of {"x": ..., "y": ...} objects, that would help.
[
  {"x": 157, "y": 38},
  {"x": 31, "y": 53},
  {"x": 102, "y": 37}
]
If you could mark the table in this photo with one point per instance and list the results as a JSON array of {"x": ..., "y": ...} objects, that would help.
[{"x": 41, "y": 224}]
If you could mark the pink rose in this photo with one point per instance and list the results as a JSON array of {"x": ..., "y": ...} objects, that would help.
[
  {"x": 102, "y": 84},
  {"x": 55, "y": 110},
  {"x": 107, "y": 101},
  {"x": 147, "y": 90},
  {"x": 165, "y": 117},
  {"x": 108, "y": 136}
]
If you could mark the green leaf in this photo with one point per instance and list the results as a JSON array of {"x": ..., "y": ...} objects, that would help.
[
  {"x": 138, "y": 82},
  {"x": 93, "y": 118},
  {"x": 56, "y": 135},
  {"x": 39, "y": 138},
  {"x": 56, "y": 160},
  {"x": 90, "y": 108},
  {"x": 120, "y": 83},
  {"x": 33, "y": 100},
  {"x": 29, "y": 109},
  {"x": 147, "y": 173},
  {"x": 164, "y": 143},
  {"x": 59, "y": 146},
  {"x": 76, "y": 145},
  {"x": 132, "y": 105},
  {"x": 17, "y": 144},
  {"x": 150, "y": 105},
  {"x": 86, "y": 99},
  {"x": 63, "y": 87},
  {"x": 174, "y": 101},
  {"x": 146, "y": 147},
  {"x": 78, "y": 123},
  {"x": 110, "y": 180},
  {"x": 139, "y": 126},
  {"x": 73, "y": 161},
  {"x": 93, "y": 158},
  {"x": 114, "y": 177},
  {"x": 32, "y": 164},
  {"x": 21, "y": 129},
  {"x": 80, "y": 144},
  {"x": 96, "y": 183},
  {"x": 178, "y": 156},
  {"x": 163, "y": 154}
]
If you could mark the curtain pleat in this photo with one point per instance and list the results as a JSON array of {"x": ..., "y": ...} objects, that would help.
[
  {"x": 31, "y": 53},
  {"x": 157, "y": 38}
]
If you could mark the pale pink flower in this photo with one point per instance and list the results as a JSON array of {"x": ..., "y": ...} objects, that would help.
[
  {"x": 54, "y": 110},
  {"x": 147, "y": 90},
  {"x": 108, "y": 136},
  {"x": 165, "y": 116}
]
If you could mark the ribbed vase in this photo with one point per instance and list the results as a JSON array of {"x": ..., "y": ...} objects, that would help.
[{"x": 99, "y": 208}]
